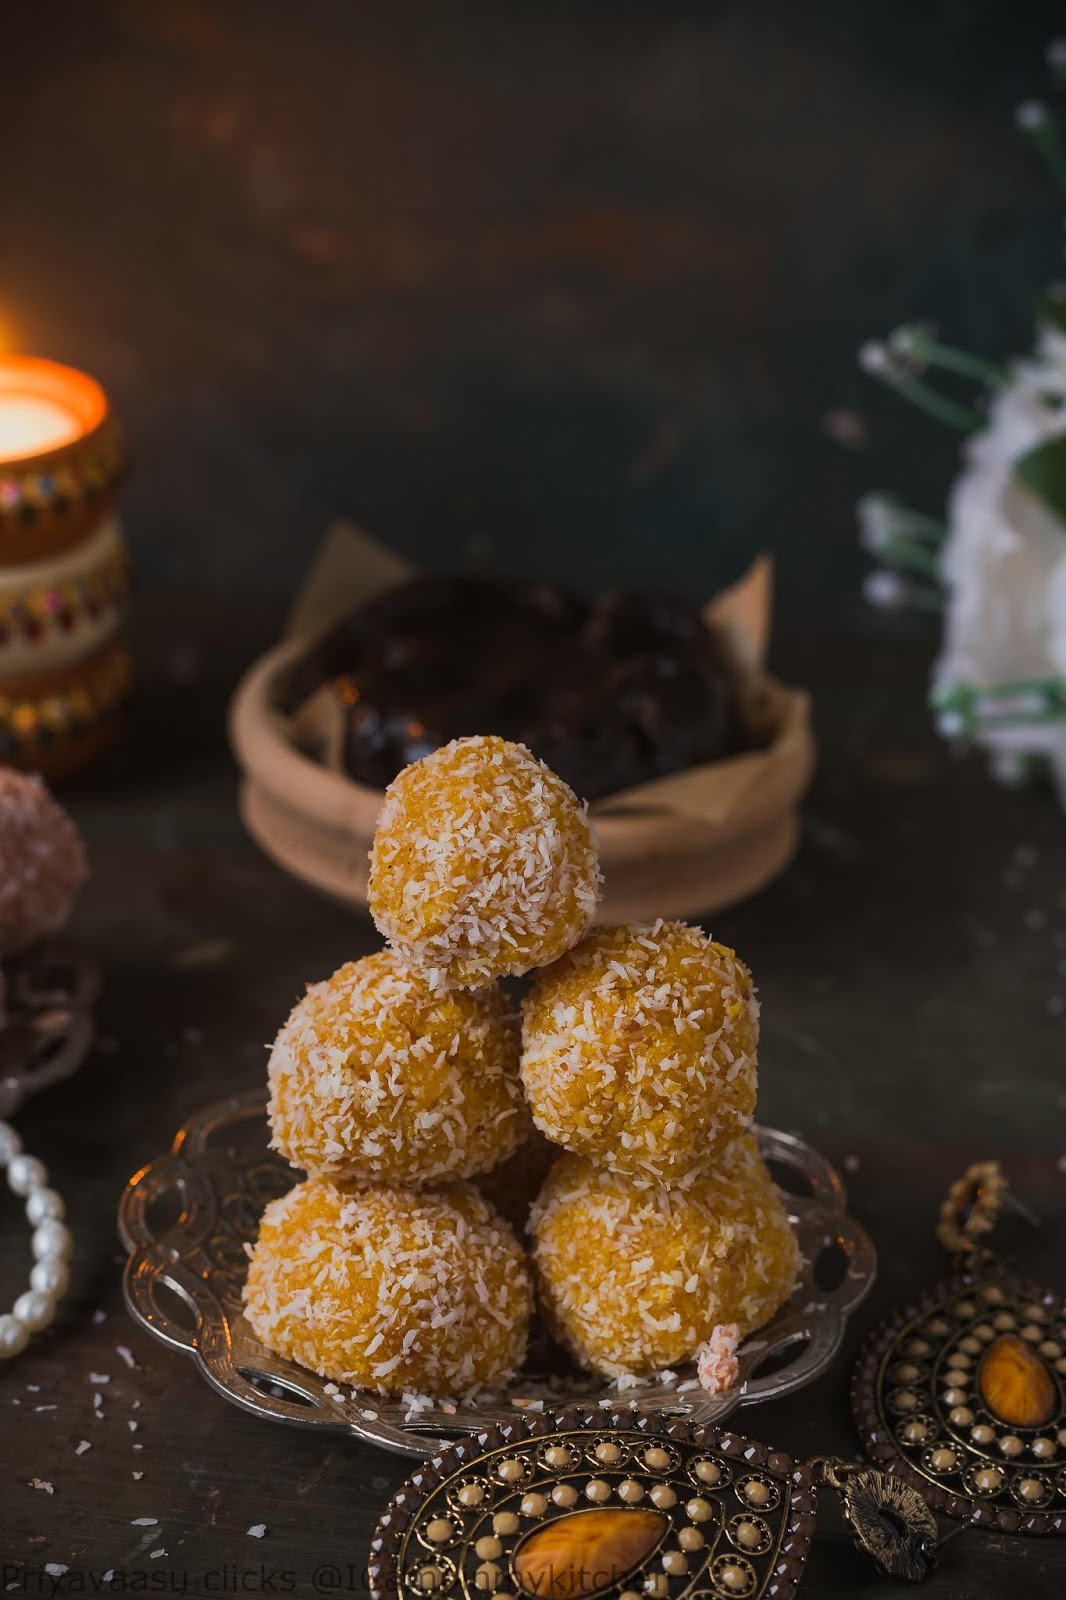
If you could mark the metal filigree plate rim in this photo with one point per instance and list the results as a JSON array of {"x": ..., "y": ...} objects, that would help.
[
  {"x": 62, "y": 1020},
  {"x": 801, "y": 1340},
  {"x": 876, "y": 1436},
  {"x": 570, "y": 1426}
]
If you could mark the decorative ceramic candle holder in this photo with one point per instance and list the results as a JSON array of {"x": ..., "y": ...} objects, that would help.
[
  {"x": 61, "y": 458},
  {"x": 57, "y": 612},
  {"x": 54, "y": 722},
  {"x": 64, "y": 571}
]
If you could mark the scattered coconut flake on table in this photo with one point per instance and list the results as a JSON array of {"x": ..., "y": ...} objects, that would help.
[
  {"x": 716, "y": 1361},
  {"x": 99, "y": 1377},
  {"x": 108, "y": 1575},
  {"x": 82, "y": 1447},
  {"x": 44, "y": 1408},
  {"x": 145, "y": 1522},
  {"x": 127, "y": 1354},
  {"x": 132, "y": 1426},
  {"x": 99, "y": 1316},
  {"x": 137, "y": 1475},
  {"x": 257, "y": 1530},
  {"x": 416, "y": 1403},
  {"x": 42, "y": 1483},
  {"x": 208, "y": 954},
  {"x": 53, "y": 1569},
  {"x": 155, "y": 1554}
]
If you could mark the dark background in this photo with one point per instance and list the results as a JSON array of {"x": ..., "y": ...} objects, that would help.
[
  {"x": 564, "y": 289},
  {"x": 557, "y": 289}
]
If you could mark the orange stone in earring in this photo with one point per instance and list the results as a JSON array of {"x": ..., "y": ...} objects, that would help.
[
  {"x": 1015, "y": 1384},
  {"x": 567, "y": 1558}
]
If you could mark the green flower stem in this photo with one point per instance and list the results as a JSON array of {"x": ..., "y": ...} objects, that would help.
[
  {"x": 1044, "y": 136},
  {"x": 917, "y": 525},
  {"x": 919, "y": 346},
  {"x": 928, "y": 400},
  {"x": 1027, "y": 703},
  {"x": 909, "y": 556}
]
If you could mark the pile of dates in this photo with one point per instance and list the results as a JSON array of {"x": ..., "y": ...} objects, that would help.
[{"x": 610, "y": 693}]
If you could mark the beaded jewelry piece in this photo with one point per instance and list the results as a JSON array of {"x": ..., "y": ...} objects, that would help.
[
  {"x": 35, "y": 1309},
  {"x": 629, "y": 1505},
  {"x": 962, "y": 1395}
]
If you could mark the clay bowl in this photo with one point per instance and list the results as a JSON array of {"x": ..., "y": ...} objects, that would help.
[{"x": 678, "y": 847}]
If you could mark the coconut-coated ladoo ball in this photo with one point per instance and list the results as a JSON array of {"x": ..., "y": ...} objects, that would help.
[
  {"x": 633, "y": 1279},
  {"x": 639, "y": 1049},
  {"x": 377, "y": 1077},
  {"x": 42, "y": 862},
  {"x": 390, "y": 1289},
  {"x": 483, "y": 864}
]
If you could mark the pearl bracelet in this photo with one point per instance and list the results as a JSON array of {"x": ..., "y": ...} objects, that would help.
[{"x": 51, "y": 1244}]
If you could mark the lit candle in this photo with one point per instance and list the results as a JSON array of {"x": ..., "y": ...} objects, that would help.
[
  {"x": 44, "y": 406},
  {"x": 30, "y": 424},
  {"x": 61, "y": 458}
]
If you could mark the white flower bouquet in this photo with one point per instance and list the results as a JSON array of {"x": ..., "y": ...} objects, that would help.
[{"x": 997, "y": 566}]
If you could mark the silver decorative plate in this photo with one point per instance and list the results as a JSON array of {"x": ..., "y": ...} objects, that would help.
[
  {"x": 186, "y": 1219},
  {"x": 47, "y": 1027}
]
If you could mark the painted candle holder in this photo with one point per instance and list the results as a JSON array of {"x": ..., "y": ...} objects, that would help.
[
  {"x": 64, "y": 569},
  {"x": 62, "y": 458}
]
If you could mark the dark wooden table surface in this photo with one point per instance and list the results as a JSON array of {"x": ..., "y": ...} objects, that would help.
[
  {"x": 581, "y": 282},
  {"x": 912, "y": 965}
]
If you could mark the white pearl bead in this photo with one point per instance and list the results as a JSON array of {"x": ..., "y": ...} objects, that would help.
[
  {"x": 44, "y": 1205},
  {"x": 34, "y": 1310},
  {"x": 50, "y": 1276},
  {"x": 14, "y": 1336},
  {"x": 51, "y": 1243},
  {"x": 52, "y": 1239},
  {"x": 10, "y": 1143},
  {"x": 26, "y": 1173}
]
